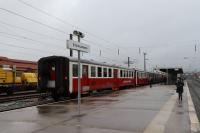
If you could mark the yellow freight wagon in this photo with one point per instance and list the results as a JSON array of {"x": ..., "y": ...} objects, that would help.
[{"x": 11, "y": 81}]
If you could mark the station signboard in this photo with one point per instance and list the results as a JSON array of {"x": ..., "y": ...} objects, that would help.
[{"x": 78, "y": 46}]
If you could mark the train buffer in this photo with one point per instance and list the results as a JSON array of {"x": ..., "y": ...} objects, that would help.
[{"x": 137, "y": 110}]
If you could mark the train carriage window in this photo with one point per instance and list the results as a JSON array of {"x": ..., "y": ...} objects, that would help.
[
  {"x": 93, "y": 71},
  {"x": 133, "y": 74},
  {"x": 109, "y": 72},
  {"x": 75, "y": 70},
  {"x": 99, "y": 71},
  {"x": 105, "y": 72},
  {"x": 126, "y": 73},
  {"x": 121, "y": 73},
  {"x": 84, "y": 70},
  {"x": 130, "y": 74}
]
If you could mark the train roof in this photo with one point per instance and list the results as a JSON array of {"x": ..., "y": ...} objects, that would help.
[
  {"x": 21, "y": 65},
  {"x": 72, "y": 59}
]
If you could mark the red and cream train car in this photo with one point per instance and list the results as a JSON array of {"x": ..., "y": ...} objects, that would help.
[{"x": 59, "y": 75}]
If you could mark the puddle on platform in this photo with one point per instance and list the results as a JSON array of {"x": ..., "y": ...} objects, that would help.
[{"x": 52, "y": 109}]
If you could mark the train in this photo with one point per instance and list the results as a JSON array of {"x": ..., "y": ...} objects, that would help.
[
  {"x": 59, "y": 76},
  {"x": 12, "y": 80}
]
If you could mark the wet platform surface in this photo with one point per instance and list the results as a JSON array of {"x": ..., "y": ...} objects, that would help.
[{"x": 137, "y": 110}]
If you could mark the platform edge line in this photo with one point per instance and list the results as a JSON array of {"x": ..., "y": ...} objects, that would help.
[{"x": 194, "y": 122}]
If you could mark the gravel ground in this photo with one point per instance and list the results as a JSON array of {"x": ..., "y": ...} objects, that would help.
[{"x": 23, "y": 103}]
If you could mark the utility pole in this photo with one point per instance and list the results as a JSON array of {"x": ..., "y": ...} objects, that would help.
[
  {"x": 167, "y": 77},
  {"x": 128, "y": 62},
  {"x": 71, "y": 51},
  {"x": 145, "y": 61}
]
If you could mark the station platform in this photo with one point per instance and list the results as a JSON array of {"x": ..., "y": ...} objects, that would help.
[{"x": 136, "y": 110}]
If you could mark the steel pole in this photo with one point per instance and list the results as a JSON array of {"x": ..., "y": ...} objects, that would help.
[
  {"x": 71, "y": 51},
  {"x": 144, "y": 62},
  {"x": 79, "y": 80},
  {"x": 128, "y": 62},
  {"x": 79, "y": 83},
  {"x": 167, "y": 77}
]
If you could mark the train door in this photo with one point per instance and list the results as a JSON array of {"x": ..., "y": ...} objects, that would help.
[
  {"x": 85, "y": 78},
  {"x": 53, "y": 76},
  {"x": 115, "y": 79}
]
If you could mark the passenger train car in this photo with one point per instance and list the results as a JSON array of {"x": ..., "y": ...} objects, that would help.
[{"x": 59, "y": 75}]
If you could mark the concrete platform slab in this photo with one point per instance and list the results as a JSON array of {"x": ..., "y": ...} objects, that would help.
[{"x": 134, "y": 110}]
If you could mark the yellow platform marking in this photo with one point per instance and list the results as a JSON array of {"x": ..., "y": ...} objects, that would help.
[
  {"x": 157, "y": 125},
  {"x": 194, "y": 122}
]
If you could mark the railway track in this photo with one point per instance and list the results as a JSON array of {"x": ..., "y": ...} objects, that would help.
[
  {"x": 27, "y": 99},
  {"x": 21, "y": 96},
  {"x": 195, "y": 93},
  {"x": 23, "y": 100}
]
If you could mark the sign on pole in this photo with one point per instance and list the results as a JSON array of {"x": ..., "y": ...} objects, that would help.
[{"x": 80, "y": 47}]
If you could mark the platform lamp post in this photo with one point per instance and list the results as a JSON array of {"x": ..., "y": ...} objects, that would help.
[
  {"x": 80, "y": 47},
  {"x": 79, "y": 35}
]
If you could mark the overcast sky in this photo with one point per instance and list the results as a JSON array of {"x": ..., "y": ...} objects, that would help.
[{"x": 167, "y": 30}]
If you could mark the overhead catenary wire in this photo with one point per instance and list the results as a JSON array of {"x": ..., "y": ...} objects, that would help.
[
  {"x": 26, "y": 38},
  {"x": 22, "y": 53},
  {"x": 65, "y": 22},
  {"x": 32, "y": 20},
  {"x": 47, "y": 51},
  {"x": 17, "y": 46},
  {"x": 30, "y": 39},
  {"x": 30, "y": 31},
  {"x": 61, "y": 20},
  {"x": 117, "y": 51},
  {"x": 50, "y": 37},
  {"x": 35, "y": 21}
]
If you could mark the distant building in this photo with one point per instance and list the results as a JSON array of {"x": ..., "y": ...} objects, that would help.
[
  {"x": 172, "y": 74},
  {"x": 21, "y": 65}
]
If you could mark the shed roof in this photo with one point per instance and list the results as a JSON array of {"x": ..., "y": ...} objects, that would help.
[{"x": 21, "y": 65}]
